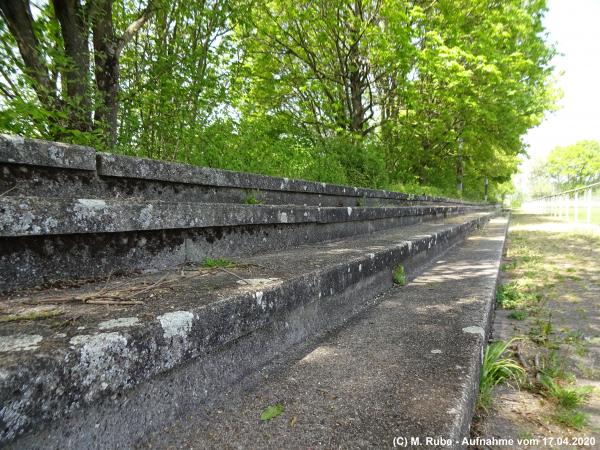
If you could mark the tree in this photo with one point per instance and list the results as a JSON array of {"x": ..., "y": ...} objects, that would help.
[
  {"x": 575, "y": 165},
  {"x": 424, "y": 95},
  {"x": 57, "y": 65}
]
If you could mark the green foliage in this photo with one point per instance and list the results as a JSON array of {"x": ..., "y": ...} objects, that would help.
[
  {"x": 566, "y": 395},
  {"x": 497, "y": 368},
  {"x": 566, "y": 168},
  {"x": 393, "y": 94},
  {"x": 575, "y": 165},
  {"x": 271, "y": 412},
  {"x": 514, "y": 295},
  {"x": 210, "y": 263},
  {"x": 252, "y": 198},
  {"x": 568, "y": 399},
  {"x": 506, "y": 267},
  {"x": 541, "y": 332},
  {"x": 399, "y": 275},
  {"x": 572, "y": 418},
  {"x": 518, "y": 315}
]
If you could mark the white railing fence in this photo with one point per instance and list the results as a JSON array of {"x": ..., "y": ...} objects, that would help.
[{"x": 581, "y": 205}]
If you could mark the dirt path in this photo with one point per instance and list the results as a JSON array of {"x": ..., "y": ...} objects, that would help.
[{"x": 549, "y": 298}]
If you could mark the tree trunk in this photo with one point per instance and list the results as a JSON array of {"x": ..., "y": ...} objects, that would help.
[
  {"x": 106, "y": 61},
  {"x": 17, "y": 15},
  {"x": 460, "y": 169},
  {"x": 74, "y": 32}
]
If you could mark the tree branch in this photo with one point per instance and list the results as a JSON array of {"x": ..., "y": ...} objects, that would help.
[{"x": 135, "y": 26}]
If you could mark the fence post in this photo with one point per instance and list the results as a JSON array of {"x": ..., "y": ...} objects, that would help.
[
  {"x": 589, "y": 206},
  {"x": 576, "y": 207}
]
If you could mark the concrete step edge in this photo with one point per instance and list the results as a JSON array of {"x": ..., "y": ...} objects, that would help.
[{"x": 225, "y": 339}]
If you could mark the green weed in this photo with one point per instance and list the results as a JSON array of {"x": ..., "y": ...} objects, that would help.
[
  {"x": 216, "y": 262},
  {"x": 515, "y": 295},
  {"x": 271, "y": 412},
  {"x": 564, "y": 393},
  {"x": 252, "y": 198},
  {"x": 497, "y": 368},
  {"x": 518, "y": 315},
  {"x": 572, "y": 418},
  {"x": 399, "y": 275},
  {"x": 541, "y": 332},
  {"x": 508, "y": 266}
]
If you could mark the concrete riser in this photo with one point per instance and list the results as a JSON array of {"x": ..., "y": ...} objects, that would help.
[
  {"x": 22, "y": 180},
  {"x": 29, "y": 261},
  {"x": 305, "y": 307}
]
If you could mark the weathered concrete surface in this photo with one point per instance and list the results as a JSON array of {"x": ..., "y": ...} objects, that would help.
[
  {"x": 103, "y": 237},
  {"x": 23, "y": 180},
  {"x": 407, "y": 368},
  {"x": 17, "y": 150},
  {"x": 215, "y": 340},
  {"x": 47, "y": 169},
  {"x": 34, "y": 216},
  {"x": 142, "y": 168}
]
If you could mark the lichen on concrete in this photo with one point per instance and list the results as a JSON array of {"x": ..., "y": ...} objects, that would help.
[
  {"x": 103, "y": 358},
  {"x": 20, "y": 343},
  {"x": 121, "y": 322},
  {"x": 176, "y": 324}
]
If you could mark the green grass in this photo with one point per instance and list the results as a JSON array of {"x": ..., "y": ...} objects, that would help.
[
  {"x": 216, "y": 262},
  {"x": 252, "y": 198},
  {"x": 557, "y": 385},
  {"x": 541, "y": 332},
  {"x": 536, "y": 262},
  {"x": 497, "y": 368},
  {"x": 506, "y": 267},
  {"x": 571, "y": 418},
  {"x": 518, "y": 315},
  {"x": 399, "y": 275},
  {"x": 563, "y": 392},
  {"x": 517, "y": 295}
]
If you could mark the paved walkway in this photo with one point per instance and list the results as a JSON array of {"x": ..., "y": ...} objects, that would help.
[{"x": 560, "y": 262}]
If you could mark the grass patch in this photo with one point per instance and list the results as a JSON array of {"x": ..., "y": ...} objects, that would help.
[
  {"x": 563, "y": 392},
  {"x": 399, "y": 275},
  {"x": 573, "y": 419},
  {"x": 539, "y": 263},
  {"x": 506, "y": 267},
  {"x": 541, "y": 332},
  {"x": 252, "y": 198},
  {"x": 217, "y": 262},
  {"x": 557, "y": 385},
  {"x": 497, "y": 368},
  {"x": 517, "y": 295},
  {"x": 574, "y": 337},
  {"x": 518, "y": 315}
]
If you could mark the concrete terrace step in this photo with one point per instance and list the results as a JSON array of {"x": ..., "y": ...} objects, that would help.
[
  {"x": 45, "y": 240},
  {"x": 50, "y": 169},
  {"x": 406, "y": 369},
  {"x": 114, "y": 360}
]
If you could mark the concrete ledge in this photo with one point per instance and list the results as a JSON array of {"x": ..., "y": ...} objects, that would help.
[
  {"x": 143, "y": 168},
  {"x": 32, "y": 216},
  {"x": 46, "y": 241},
  {"x": 47, "y": 376},
  {"x": 17, "y": 150},
  {"x": 50, "y": 169}
]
